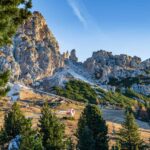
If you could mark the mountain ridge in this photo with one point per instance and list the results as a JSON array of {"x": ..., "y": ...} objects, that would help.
[{"x": 35, "y": 59}]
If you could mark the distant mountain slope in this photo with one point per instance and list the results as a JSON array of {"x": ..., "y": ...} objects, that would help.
[
  {"x": 35, "y": 59},
  {"x": 120, "y": 71}
]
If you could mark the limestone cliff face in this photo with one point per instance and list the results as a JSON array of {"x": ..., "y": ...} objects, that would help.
[
  {"x": 35, "y": 50},
  {"x": 109, "y": 69},
  {"x": 145, "y": 65},
  {"x": 104, "y": 64},
  {"x": 73, "y": 56},
  {"x": 7, "y": 62}
]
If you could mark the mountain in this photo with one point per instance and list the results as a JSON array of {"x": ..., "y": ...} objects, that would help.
[
  {"x": 35, "y": 60},
  {"x": 104, "y": 64},
  {"x": 35, "y": 51},
  {"x": 120, "y": 71}
]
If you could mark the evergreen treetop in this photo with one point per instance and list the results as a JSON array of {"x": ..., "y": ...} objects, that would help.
[
  {"x": 51, "y": 129},
  {"x": 91, "y": 122},
  {"x": 31, "y": 140},
  {"x": 15, "y": 124},
  {"x": 129, "y": 133},
  {"x": 12, "y": 14}
]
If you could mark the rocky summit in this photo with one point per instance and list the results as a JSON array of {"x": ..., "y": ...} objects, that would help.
[
  {"x": 35, "y": 52},
  {"x": 104, "y": 64},
  {"x": 34, "y": 59}
]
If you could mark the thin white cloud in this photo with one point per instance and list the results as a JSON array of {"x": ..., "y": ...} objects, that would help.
[{"x": 78, "y": 11}]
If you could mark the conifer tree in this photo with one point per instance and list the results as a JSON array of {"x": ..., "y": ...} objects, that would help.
[
  {"x": 129, "y": 134},
  {"x": 86, "y": 140},
  {"x": 92, "y": 118},
  {"x": 12, "y": 14},
  {"x": 4, "y": 77},
  {"x": 31, "y": 140},
  {"x": 51, "y": 129},
  {"x": 14, "y": 124}
]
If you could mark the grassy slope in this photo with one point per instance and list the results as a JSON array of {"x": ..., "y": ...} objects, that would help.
[
  {"x": 27, "y": 97},
  {"x": 83, "y": 92}
]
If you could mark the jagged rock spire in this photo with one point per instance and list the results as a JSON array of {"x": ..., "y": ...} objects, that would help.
[{"x": 73, "y": 56}]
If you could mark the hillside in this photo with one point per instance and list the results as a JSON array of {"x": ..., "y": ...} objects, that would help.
[
  {"x": 31, "y": 103},
  {"x": 41, "y": 73},
  {"x": 35, "y": 60}
]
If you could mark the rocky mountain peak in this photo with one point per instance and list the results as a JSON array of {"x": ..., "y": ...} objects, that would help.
[
  {"x": 145, "y": 65},
  {"x": 35, "y": 50},
  {"x": 104, "y": 64},
  {"x": 65, "y": 55},
  {"x": 35, "y": 57},
  {"x": 73, "y": 56},
  {"x": 36, "y": 29},
  {"x": 103, "y": 58},
  {"x": 101, "y": 53}
]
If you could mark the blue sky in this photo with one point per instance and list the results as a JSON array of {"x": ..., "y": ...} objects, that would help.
[{"x": 120, "y": 26}]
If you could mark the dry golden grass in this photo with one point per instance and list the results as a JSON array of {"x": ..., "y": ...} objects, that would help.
[
  {"x": 145, "y": 134},
  {"x": 32, "y": 96},
  {"x": 29, "y": 107},
  {"x": 71, "y": 125}
]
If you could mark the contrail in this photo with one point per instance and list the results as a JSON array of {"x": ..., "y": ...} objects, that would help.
[{"x": 78, "y": 11}]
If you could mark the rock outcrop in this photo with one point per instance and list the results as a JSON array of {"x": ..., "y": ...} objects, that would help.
[
  {"x": 145, "y": 65},
  {"x": 35, "y": 50},
  {"x": 7, "y": 62},
  {"x": 104, "y": 64},
  {"x": 115, "y": 70},
  {"x": 35, "y": 59},
  {"x": 73, "y": 56}
]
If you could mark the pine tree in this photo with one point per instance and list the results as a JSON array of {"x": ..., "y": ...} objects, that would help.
[
  {"x": 14, "y": 124},
  {"x": 4, "y": 77},
  {"x": 12, "y": 14},
  {"x": 129, "y": 135},
  {"x": 30, "y": 140},
  {"x": 87, "y": 141},
  {"x": 92, "y": 118},
  {"x": 51, "y": 129}
]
